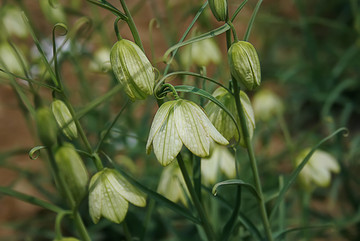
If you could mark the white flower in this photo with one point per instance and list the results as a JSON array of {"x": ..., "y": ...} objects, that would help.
[
  {"x": 201, "y": 53},
  {"x": 181, "y": 122},
  {"x": 267, "y": 105},
  {"x": 220, "y": 160},
  {"x": 172, "y": 184},
  {"x": 317, "y": 171},
  {"x": 110, "y": 194}
]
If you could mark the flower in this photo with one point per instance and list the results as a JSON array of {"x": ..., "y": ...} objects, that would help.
[
  {"x": 72, "y": 169},
  {"x": 132, "y": 69},
  {"x": 223, "y": 122},
  {"x": 13, "y": 22},
  {"x": 244, "y": 64},
  {"x": 201, "y": 53},
  {"x": 219, "y": 9},
  {"x": 172, "y": 184},
  {"x": 317, "y": 171},
  {"x": 110, "y": 194},
  {"x": 181, "y": 122},
  {"x": 220, "y": 160},
  {"x": 46, "y": 126},
  {"x": 12, "y": 60},
  {"x": 267, "y": 104},
  {"x": 64, "y": 119}
]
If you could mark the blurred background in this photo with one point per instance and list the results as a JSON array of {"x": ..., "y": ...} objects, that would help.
[{"x": 310, "y": 59}]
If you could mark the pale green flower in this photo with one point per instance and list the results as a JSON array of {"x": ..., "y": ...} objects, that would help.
[
  {"x": 172, "y": 184},
  {"x": 72, "y": 169},
  {"x": 220, "y": 160},
  {"x": 223, "y": 122},
  {"x": 219, "y": 9},
  {"x": 110, "y": 194},
  {"x": 64, "y": 119},
  {"x": 318, "y": 169},
  {"x": 244, "y": 64},
  {"x": 132, "y": 69},
  {"x": 13, "y": 21},
  {"x": 10, "y": 61},
  {"x": 101, "y": 61},
  {"x": 267, "y": 105},
  {"x": 181, "y": 122},
  {"x": 201, "y": 53},
  {"x": 53, "y": 11}
]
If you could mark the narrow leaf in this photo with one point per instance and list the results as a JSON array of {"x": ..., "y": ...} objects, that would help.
[
  {"x": 34, "y": 153},
  {"x": 239, "y": 182}
]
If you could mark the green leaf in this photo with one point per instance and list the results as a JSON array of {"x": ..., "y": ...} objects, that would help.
[
  {"x": 239, "y": 182},
  {"x": 207, "y": 35},
  {"x": 207, "y": 95},
  {"x": 282, "y": 234},
  {"x": 30, "y": 199},
  {"x": 296, "y": 172}
]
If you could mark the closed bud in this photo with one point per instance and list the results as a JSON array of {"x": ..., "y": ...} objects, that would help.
[
  {"x": 244, "y": 64},
  {"x": 73, "y": 170},
  {"x": 219, "y": 9},
  {"x": 46, "y": 126},
  {"x": 132, "y": 69},
  {"x": 64, "y": 119}
]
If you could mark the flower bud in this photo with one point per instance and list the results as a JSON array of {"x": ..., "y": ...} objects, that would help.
[
  {"x": 11, "y": 61},
  {"x": 219, "y": 9},
  {"x": 53, "y": 11},
  {"x": 46, "y": 126},
  {"x": 64, "y": 119},
  {"x": 244, "y": 64},
  {"x": 132, "y": 69},
  {"x": 73, "y": 170}
]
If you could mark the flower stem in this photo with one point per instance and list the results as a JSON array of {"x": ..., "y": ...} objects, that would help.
[
  {"x": 132, "y": 26},
  {"x": 252, "y": 158},
  {"x": 204, "y": 219}
]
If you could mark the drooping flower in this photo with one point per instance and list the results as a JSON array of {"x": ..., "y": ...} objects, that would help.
[
  {"x": 219, "y": 9},
  {"x": 244, "y": 64},
  {"x": 181, "y": 122},
  {"x": 72, "y": 169},
  {"x": 172, "y": 184},
  {"x": 201, "y": 53},
  {"x": 318, "y": 169},
  {"x": 64, "y": 119},
  {"x": 267, "y": 105},
  {"x": 110, "y": 194},
  {"x": 220, "y": 160},
  {"x": 223, "y": 122},
  {"x": 132, "y": 69}
]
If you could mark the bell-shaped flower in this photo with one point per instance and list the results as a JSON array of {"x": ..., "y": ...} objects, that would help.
[
  {"x": 13, "y": 22},
  {"x": 64, "y": 119},
  {"x": 220, "y": 160},
  {"x": 318, "y": 169},
  {"x": 110, "y": 194},
  {"x": 267, "y": 105},
  {"x": 172, "y": 184},
  {"x": 132, "y": 69},
  {"x": 223, "y": 122},
  {"x": 181, "y": 122},
  {"x": 201, "y": 53}
]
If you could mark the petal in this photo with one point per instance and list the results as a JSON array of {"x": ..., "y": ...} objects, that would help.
[
  {"x": 206, "y": 123},
  {"x": 95, "y": 197},
  {"x": 160, "y": 116},
  {"x": 167, "y": 143},
  {"x": 190, "y": 129},
  {"x": 127, "y": 190},
  {"x": 114, "y": 206}
]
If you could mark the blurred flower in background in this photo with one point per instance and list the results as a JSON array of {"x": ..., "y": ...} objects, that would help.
[
  {"x": 267, "y": 105},
  {"x": 317, "y": 171}
]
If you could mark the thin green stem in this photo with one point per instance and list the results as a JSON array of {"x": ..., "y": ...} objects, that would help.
[
  {"x": 252, "y": 158},
  {"x": 132, "y": 26},
  {"x": 251, "y": 22},
  {"x": 203, "y": 217},
  {"x": 116, "y": 28}
]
